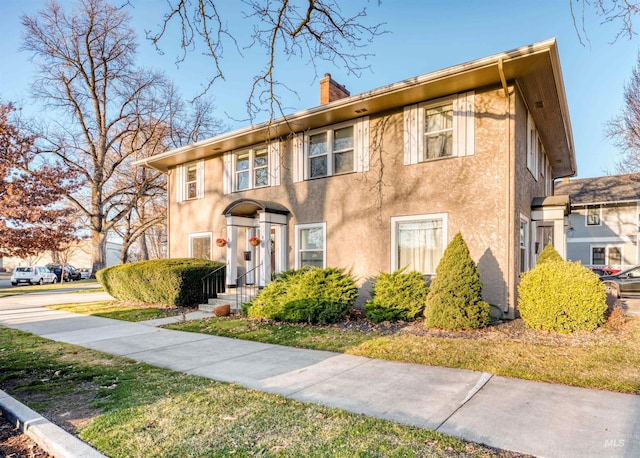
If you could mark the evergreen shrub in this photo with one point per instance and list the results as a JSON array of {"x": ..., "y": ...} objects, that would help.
[
  {"x": 311, "y": 295},
  {"x": 455, "y": 300},
  {"x": 397, "y": 296},
  {"x": 174, "y": 282},
  {"x": 562, "y": 296},
  {"x": 548, "y": 254}
]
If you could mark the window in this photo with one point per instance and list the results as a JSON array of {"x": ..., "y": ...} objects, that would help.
[
  {"x": 548, "y": 182},
  {"x": 200, "y": 245},
  {"x": 339, "y": 149},
  {"x": 542, "y": 159},
  {"x": 331, "y": 152},
  {"x": 438, "y": 132},
  {"x": 606, "y": 255},
  {"x": 598, "y": 256},
  {"x": 593, "y": 215},
  {"x": 439, "y": 129},
  {"x": 532, "y": 146},
  {"x": 524, "y": 244},
  {"x": 418, "y": 242},
  {"x": 190, "y": 181},
  {"x": 311, "y": 245},
  {"x": 252, "y": 169}
]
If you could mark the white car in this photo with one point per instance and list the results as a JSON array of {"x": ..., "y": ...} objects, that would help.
[
  {"x": 32, "y": 275},
  {"x": 85, "y": 272}
]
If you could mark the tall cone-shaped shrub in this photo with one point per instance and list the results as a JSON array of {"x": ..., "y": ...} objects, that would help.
[
  {"x": 548, "y": 254},
  {"x": 455, "y": 300}
]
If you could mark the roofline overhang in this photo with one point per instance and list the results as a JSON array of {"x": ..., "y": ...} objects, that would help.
[
  {"x": 482, "y": 72},
  {"x": 605, "y": 202}
]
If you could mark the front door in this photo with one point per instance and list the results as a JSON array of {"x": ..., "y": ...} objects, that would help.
[{"x": 544, "y": 237}]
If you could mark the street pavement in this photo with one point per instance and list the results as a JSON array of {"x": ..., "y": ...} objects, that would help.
[{"x": 528, "y": 417}]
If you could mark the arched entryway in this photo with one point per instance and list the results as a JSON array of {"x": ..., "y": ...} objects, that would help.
[{"x": 267, "y": 221}]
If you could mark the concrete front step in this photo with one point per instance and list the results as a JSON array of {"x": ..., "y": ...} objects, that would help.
[{"x": 213, "y": 303}]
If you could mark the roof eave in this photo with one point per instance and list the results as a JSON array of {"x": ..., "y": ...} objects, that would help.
[{"x": 471, "y": 75}]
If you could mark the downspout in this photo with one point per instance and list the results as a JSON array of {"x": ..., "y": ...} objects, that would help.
[
  {"x": 503, "y": 80},
  {"x": 510, "y": 229}
]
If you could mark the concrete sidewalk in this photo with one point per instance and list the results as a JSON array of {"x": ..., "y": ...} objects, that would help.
[{"x": 528, "y": 417}]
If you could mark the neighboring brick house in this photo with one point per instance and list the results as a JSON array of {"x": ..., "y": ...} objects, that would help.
[
  {"x": 382, "y": 180},
  {"x": 605, "y": 217}
]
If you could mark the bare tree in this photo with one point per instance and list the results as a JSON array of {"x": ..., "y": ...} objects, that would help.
[
  {"x": 620, "y": 12},
  {"x": 310, "y": 31},
  {"x": 86, "y": 72},
  {"x": 624, "y": 129}
]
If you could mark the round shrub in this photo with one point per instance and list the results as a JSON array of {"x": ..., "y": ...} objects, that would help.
[
  {"x": 562, "y": 296},
  {"x": 311, "y": 295},
  {"x": 549, "y": 254},
  {"x": 397, "y": 296},
  {"x": 455, "y": 300}
]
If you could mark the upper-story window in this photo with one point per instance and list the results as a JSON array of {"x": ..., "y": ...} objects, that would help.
[
  {"x": 190, "y": 181},
  {"x": 335, "y": 150},
  {"x": 536, "y": 157},
  {"x": 252, "y": 168},
  {"x": 331, "y": 152},
  {"x": 439, "y": 129},
  {"x": 593, "y": 215}
]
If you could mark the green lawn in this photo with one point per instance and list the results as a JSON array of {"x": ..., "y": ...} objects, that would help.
[
  {"x": 142, "y": 411},
  {"x": 17, "y": 290},
  {"x": 126, "y": 311}
]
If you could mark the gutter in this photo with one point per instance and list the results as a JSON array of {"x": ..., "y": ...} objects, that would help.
[{"x": 283, "y": 125}]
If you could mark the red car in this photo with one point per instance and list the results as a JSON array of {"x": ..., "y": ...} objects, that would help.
[{"x": 601, "y": 271}]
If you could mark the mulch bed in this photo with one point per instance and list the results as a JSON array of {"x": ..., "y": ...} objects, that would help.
[
  {"x": 14, "y": 444},
  {"x": 513, "y": 330}
]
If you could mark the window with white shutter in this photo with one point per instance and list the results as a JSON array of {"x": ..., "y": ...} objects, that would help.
[
  {"x": 190, "y": 181},
  {"x": 252, "y": 168},
  {"x": 439, "y": 128}
]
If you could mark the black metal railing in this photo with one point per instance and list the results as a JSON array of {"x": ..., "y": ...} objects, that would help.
[
  {"x": 246, "y": 291},
  {"x": 214, "y": 283}
]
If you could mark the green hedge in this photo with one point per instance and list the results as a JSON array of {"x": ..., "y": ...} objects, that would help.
[
  {"x": 311, "y": 295},
  {"x": 397, "y": 296},
  {"x": 174, "y": 282},
  {"x": 562, "y": 296}
]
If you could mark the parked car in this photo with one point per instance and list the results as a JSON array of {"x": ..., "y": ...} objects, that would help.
[
  {"x": 86, "y": 272},
  {"x": 32, "y": 275},
  {"x": 626, "y": 282},
  {"x": 70, "y": 272},
  {"x": 604, "y": 271}
]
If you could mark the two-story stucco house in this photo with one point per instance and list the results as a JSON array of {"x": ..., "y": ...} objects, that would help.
[
  {"x": 383, "y": 180},
  {"x": 605, "y": 218}
]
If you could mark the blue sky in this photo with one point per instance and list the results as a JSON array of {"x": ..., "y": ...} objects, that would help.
[{"x": 423, "y": 36}]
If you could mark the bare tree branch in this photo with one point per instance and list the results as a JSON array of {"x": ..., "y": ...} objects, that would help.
[{"x": 620, "y": 12}]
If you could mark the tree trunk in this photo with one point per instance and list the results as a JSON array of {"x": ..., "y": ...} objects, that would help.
[
  {"x": 144, "y": 249},
  {"x": 99, "y": 250}
]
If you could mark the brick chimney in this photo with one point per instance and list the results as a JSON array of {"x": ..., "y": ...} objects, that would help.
[{"x": 330, "y": 90}]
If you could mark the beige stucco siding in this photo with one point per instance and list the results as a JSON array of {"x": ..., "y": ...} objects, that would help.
[{"x": 473, "y": 191}]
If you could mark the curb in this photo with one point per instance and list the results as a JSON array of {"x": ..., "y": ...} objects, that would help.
[{"x": 53, "y": 439}]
